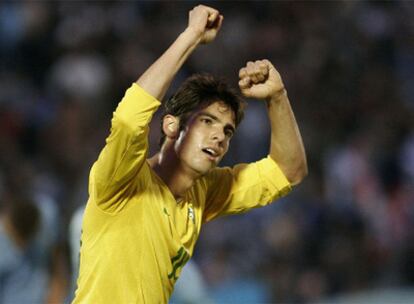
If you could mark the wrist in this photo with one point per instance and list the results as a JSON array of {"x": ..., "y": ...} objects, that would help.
[
  {"x": 278, "y": 95},
  {"x": 193, "y": 35}
]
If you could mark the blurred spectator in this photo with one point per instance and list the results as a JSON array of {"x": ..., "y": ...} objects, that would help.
[
  {"x": 75, "y": 232},
  {"x": 26, "y": 242}
]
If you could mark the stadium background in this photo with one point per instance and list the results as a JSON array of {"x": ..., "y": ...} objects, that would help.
[{"x": 349, "y": 70}]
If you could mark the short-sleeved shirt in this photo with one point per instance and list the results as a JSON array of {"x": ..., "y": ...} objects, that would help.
[{"x": 136, "y": 237}]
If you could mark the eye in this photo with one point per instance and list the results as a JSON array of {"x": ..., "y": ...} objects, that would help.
[{"x": 207, "y": 121}]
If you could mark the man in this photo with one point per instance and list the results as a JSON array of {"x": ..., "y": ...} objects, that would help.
[
  {"x": 28, "y": 238},
  {"x": 144, "y": 215}
]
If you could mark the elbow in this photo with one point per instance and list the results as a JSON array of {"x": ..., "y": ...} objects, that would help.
[
  {"x": 295, "y": 169},
  {"x": 296, "y": 175},
  {"x": 301, "y": 176}
]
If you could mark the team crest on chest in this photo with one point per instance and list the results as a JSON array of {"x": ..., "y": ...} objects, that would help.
[{"x": 191, "y": 214}]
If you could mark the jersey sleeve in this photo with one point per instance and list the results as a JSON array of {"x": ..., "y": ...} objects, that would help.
[
  {"x": 244, "y": 187},
  {"x": 120, "y": 161}
]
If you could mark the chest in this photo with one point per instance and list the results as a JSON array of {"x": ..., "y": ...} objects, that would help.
[
  {"x": 183, "y": 219},
  {"x": 175, "y": 223}
]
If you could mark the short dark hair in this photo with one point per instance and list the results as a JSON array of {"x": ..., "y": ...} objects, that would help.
[{"x": 201, "y": 89}]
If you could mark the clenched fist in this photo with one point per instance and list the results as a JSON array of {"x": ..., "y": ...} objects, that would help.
[
  {"x": 260, "y": 80},
  {"x": 205, "y": 21}
]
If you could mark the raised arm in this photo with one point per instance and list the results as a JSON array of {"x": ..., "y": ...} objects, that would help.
[
  {"x": 203, "y": 25},
  {"x": 124, "y": 155},
  {"x": 261, "y": 80}
]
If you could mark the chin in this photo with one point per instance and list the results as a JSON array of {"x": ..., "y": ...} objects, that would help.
[
  {"x": 200, "y": 167},
  {"x": 203, "y": 170}
]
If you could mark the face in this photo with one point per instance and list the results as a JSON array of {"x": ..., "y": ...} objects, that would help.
[{"x": 205, "y": 139}]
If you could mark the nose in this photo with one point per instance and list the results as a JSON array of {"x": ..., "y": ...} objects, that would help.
[{"x": 218, "y": 135}]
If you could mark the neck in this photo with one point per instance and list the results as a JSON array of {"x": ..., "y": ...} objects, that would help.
[{"x": 172, "y": 172}]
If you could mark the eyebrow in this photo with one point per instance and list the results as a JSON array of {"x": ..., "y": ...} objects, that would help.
[{"x": 214, "y": 117}]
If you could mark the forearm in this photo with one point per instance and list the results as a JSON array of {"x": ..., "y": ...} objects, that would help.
[
  {"x": 157, "y": 78},
  {"x": 286, "y": 146}
]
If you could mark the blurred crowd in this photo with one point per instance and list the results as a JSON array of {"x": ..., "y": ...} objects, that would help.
[{"x": 348, "y": 67}]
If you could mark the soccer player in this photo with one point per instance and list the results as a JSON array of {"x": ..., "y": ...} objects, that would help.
[{"x": 144, "y": 216}]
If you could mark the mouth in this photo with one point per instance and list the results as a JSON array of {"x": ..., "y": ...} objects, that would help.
[{"x": 212, "y": 154}]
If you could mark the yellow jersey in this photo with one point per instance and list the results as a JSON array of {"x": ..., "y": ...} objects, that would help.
[{"x": 135, "y": 236}]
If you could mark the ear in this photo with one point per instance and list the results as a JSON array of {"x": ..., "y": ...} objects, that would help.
[{"x": 170, "y": 126}]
